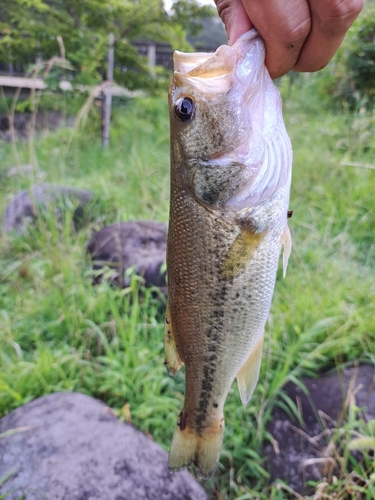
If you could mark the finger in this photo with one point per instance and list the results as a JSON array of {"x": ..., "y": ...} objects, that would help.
[
  {"x": 234, "y": 17},
  {"x": 284, "y": 27},
  {"x": 330, "y": 20}
]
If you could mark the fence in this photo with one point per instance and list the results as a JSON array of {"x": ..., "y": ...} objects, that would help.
[{"x": 159, "y": 54}]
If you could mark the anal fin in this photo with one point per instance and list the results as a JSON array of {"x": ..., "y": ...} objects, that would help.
[
  {"x": 172, "y": 361},
  {"x": 247, "y": 377}
]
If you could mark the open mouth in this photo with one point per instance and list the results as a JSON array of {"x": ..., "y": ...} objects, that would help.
[{"x": 210, "y": 72}]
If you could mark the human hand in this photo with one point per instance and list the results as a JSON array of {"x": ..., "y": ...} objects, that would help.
[{"x": 302, "y": 35}]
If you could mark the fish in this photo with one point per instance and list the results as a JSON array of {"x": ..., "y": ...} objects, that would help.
[{"x": 230, "y": 177}]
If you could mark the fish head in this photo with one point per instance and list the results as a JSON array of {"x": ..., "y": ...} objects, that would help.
[
  {"x": 209, "y": 97},
  {"x": 227, "y": 131},
  {"x": 201, "y": 115}
]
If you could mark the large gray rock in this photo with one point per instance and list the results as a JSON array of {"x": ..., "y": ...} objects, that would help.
[
  {"x": 304, "y": 454},
  {"x": 140, "y": 244},
  {"x": 71, "y": 447},
  {"x": 28, "y": 204}
]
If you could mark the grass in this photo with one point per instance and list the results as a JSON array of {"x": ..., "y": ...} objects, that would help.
[{"x": 59, "y": 333}]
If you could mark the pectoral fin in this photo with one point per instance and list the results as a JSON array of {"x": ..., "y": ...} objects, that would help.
[
  {"x": 286, "y": 242},
  {"x": 172, "y": 361},
  {"x": 247, "y": 377},
  {"x": 240, "y": 253}
]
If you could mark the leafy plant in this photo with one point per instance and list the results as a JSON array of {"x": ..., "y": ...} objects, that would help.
[
  {"x": 360, "y": 58},
  {"x": 78, "y": 30},
  {"x": 58, "y": 332}
]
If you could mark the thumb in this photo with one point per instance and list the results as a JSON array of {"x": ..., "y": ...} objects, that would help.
[{"x": 234, "y": 17}]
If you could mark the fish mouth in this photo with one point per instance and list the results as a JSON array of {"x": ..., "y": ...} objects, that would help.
[
  {"x": 213, "y": 73},
  {"x": 210, "y": 73},
  {"x": 205, "y": 64},
  {"x": 211, "y": 64},
  {"x": 184, "y": 62}
]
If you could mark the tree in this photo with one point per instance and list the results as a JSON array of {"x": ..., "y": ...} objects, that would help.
[
  {"x": 353, "y": 68},
  {"x": 360, "y": 58},
  {"x": 30, "y": 28}
]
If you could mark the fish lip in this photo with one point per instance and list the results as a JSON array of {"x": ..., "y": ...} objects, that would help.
[
  {"x": 214, "y": 74},
  {"x": 186, "y": 63},
  {"x": 205, "y": 68}
]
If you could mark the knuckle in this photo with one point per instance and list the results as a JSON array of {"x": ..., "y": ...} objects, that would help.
[
  {"x": 299, "y": 31},
  {"x": 293, "y": 24},
  {"x": 223, "y": 8},
  {"x": 338, "y": 15},
  {"x": 295, "y": 31}
]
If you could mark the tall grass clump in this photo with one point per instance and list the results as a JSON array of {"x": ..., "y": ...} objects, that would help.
[{"x": 60, "y": 333}]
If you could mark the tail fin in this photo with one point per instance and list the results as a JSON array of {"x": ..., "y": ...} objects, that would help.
[{"x": 203, "y": 450}]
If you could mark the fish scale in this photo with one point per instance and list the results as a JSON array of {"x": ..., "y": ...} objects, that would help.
[{"x": 223, "y": 247}]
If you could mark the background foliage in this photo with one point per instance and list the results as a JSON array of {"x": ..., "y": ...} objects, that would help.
[
  {"x": 32, "y": 28},
  {"x": 349, "y": 80},
  {"x": 58, "y": 332}
]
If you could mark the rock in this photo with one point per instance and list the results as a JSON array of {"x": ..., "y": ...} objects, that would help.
[
  {"x": 27, "y": 204},
  {"x": 71, "y": 447},
  {"x": 295, "y": 463},
  {"x": 140, "y": 244}
]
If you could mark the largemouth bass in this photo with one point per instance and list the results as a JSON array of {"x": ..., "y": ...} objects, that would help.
[{"x": 230, "y": 181}]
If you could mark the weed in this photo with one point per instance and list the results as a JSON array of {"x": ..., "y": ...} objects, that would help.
[{"x": 59, "y": 333}]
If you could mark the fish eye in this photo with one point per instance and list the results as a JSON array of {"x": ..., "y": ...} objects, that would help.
[{"x": 184, "y": 109}]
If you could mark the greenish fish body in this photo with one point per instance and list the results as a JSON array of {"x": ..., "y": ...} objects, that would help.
[{"x": 230, "y": 182}]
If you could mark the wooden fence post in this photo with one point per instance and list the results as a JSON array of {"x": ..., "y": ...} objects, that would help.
[
  {"x": 151, "y": 54},
  {"x": 107, "y": 93}
]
